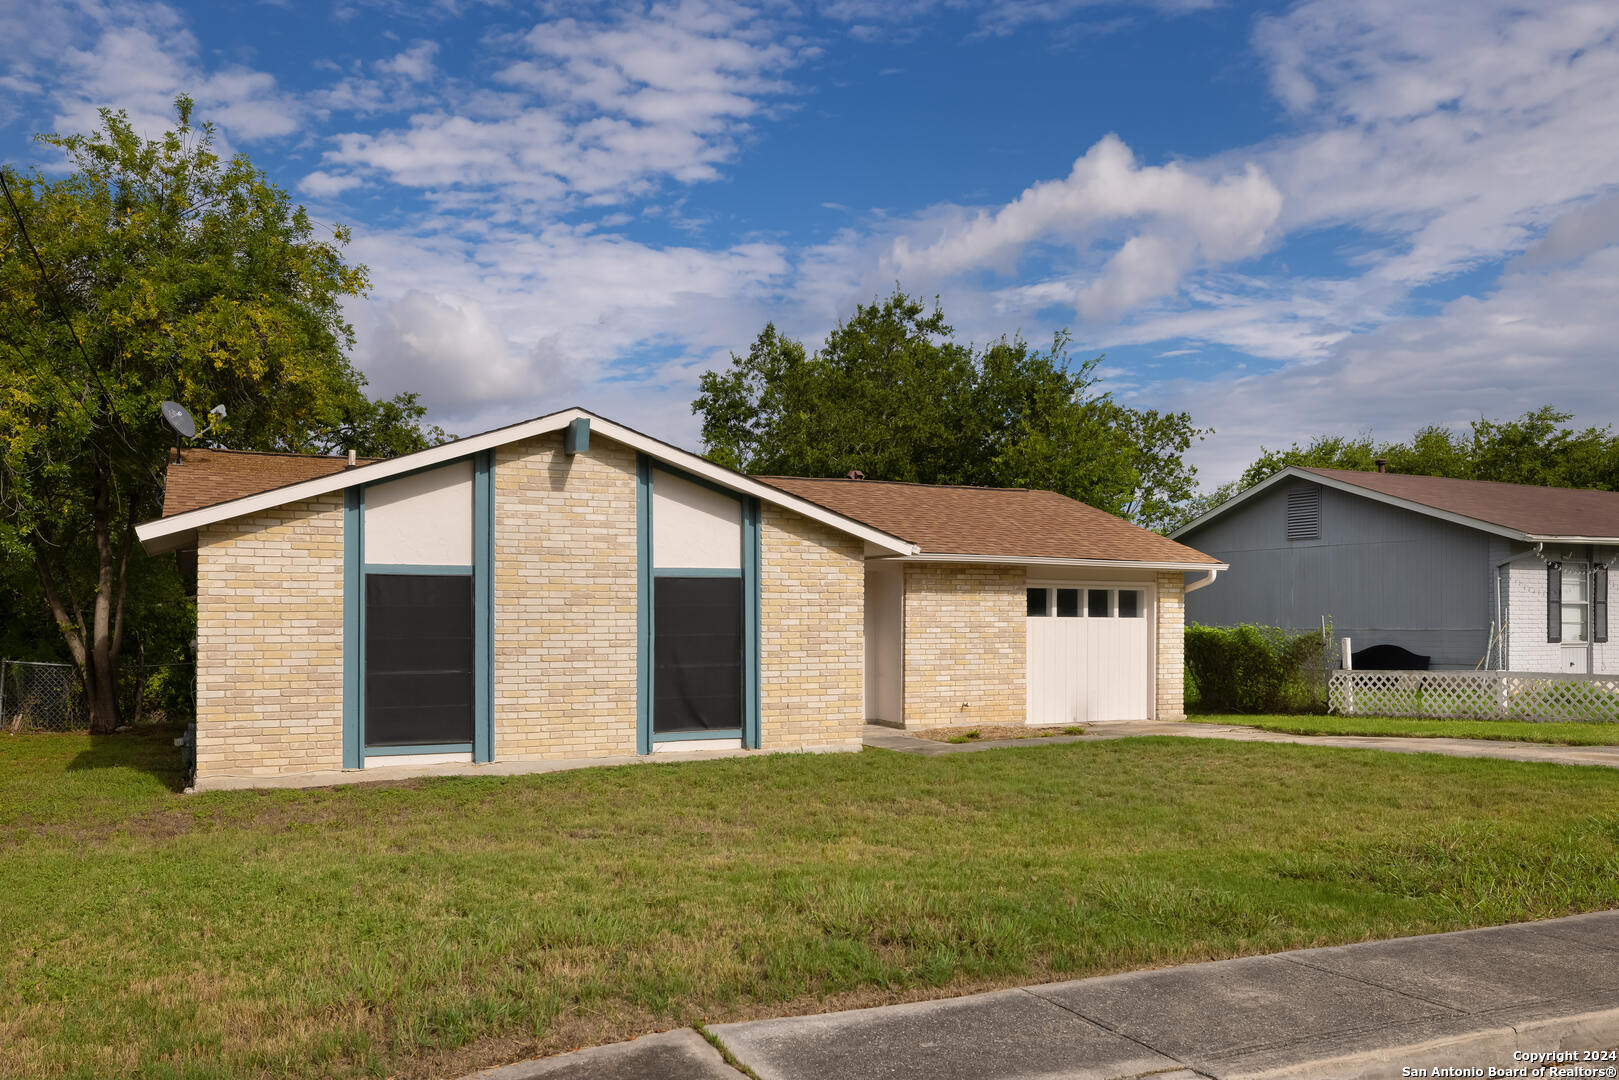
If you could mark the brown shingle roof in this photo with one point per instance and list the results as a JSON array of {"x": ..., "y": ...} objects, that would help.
[
  {"x": 1010, "y": 523},
  {"x": 1527, "y": 508},
  {"x": 205, "y": 477}
]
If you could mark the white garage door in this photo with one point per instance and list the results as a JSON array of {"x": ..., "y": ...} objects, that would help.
[{"x": 1090, "y": 653}]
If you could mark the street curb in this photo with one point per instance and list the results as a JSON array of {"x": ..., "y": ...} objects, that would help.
[{"x": 1598, "y": 1030}]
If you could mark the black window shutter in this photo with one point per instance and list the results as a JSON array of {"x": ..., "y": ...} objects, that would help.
[
  {"x": 1554, "y": 601},
  {"x": 1599, "y": 604}
]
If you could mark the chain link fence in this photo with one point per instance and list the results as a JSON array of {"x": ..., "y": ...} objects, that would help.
[{"x": 37, "y": 696}]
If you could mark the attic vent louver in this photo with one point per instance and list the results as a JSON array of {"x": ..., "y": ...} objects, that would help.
[{"x": 1304, "y": 513}]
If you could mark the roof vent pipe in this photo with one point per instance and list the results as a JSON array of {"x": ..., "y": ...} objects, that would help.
[
  {"x": 351, "y": 459},
  {"x": 1382, "y": 464}
]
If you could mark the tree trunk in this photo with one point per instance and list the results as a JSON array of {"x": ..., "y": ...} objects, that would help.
[
  {"x": 101, "y": 673},
  {"x": 95, "y": 648}
]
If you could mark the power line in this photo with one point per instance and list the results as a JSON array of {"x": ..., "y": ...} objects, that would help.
[{"x": 61, "y": 309}]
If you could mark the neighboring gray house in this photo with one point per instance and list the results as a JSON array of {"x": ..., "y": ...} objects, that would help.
[{"x": 1467, "y": 572}]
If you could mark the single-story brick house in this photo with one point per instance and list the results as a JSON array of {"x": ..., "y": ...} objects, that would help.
[
  {"x": 568, "y": 588},
  {"x": 1426, "y": 570}
]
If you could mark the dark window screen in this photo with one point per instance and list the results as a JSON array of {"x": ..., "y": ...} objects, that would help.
[
  {"x": 1037, "y": 602},
  {"x": 1067, "y": 603},
  {"x": 418, "y": 659},
  {"x": 1096, "y": 605},
  {"x": 697, "y": 654}
]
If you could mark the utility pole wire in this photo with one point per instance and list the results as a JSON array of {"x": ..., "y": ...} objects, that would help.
[{"x": 61, "y": 309}]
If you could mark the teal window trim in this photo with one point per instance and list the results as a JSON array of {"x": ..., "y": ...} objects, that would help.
[
  {"x": 482, "y": 572},
  {"x": 751, "y": 695},
  {"x": 749, "y": 733},
  {"x": 576, "y": 438},
  {"x": 483, "y": 606},
  {"x": 423, "y": 748},
  {"x": 353, "y": 625},
  {"x": 643, "y": 604},
  {"x": 697, "y": 571},
  {"x": 694, "y": 736}
]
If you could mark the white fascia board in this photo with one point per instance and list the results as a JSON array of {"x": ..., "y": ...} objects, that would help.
[
  {"x": 1365, "y": 493},
  {"x": 1603, "y": 540},
  {"x": 150, "y": 532},
  {"x": 741, "y": 482},
  {"x": 1017, "y": 560}
]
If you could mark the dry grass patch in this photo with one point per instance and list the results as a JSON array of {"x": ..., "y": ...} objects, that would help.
[{"x": 992, "y": 732}]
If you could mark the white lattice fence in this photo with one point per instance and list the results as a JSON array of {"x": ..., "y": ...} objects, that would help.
[{"x": 1478, "y": 695}]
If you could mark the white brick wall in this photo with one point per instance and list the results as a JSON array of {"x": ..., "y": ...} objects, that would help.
[{"x": 1527, "y": 647}]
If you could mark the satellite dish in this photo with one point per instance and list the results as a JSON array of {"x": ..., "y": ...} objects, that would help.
[{"x": 179, "y": 418}]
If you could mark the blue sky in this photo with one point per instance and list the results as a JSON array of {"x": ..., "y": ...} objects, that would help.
[{"x": 1325, "y": 216}]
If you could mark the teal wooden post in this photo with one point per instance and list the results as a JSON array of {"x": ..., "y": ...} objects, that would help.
[
  {"x": 483, "y": 607},
  {"x": 643, "y": 604},
  {"x": 353, "y": 626}
]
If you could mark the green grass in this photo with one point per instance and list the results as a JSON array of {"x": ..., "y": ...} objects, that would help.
[
  {"x": 434, "y": 927},
  {"x": 1561, "y": 734}
]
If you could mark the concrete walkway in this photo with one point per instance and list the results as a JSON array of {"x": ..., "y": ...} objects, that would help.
[
  {"x": 889, "y": 738},
  {"x": 1475, "y": 999}
]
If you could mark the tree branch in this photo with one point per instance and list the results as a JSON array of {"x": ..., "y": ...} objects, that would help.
[{"x": 72, "y": 625}]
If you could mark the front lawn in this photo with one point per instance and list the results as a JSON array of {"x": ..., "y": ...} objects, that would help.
[
  {"x": 433, "y": 927},
  {"x": 1562, "y": 734}
]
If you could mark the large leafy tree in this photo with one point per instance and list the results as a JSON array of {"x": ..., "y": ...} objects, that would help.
[
  {"x": 895, "y": 396},
  {"x": 1536, "y": 448},
  {"x": 155, "y": 269}
]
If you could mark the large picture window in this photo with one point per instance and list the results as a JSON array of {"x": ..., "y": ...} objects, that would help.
[
  {"x": 697, "y": 654},
  {"x": 418, "y": 659}
]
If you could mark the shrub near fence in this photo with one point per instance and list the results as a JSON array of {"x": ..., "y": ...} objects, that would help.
[{"x": 1257, "y": 669}]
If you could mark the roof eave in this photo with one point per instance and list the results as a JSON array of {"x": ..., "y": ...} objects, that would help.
[
  {"x": 1365, "y": 493},
  {"x": 159, "y": 530},
  {"x": 1044, "y": 560},
  {"x": 1536, "y": 538}
]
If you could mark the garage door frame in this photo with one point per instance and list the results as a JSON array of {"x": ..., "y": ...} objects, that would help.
[{"x": 1149, "y": 591}]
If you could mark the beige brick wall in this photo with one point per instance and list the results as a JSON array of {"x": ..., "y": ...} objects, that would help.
[
  {"x": 965, "y": 645},
  {"x": 1170, "y": 688},
  {"x": 270, "y": 623},
  {"x": 270, "y": 642},
  {"x": 565, "y": 601},
  {"x": 812, "y": 635}
]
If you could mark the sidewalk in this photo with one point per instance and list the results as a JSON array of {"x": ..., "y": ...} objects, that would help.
[
  {"x": 1353, "y": 1012},
  {"x": 888, "y": 738}
]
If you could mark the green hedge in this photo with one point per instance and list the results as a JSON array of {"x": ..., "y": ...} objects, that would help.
[{"x": 1255, "y": 669}]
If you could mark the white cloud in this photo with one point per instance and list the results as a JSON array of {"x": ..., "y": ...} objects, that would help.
[
  {"x": 509, "y": 323},
  {"x": 1174, "y": 219},
  {"x": 1542, "y": 337},
  {"x": 139, "y": 57},
  {"x": 325, "y": 185},
  {"x": 598, "y": 111},
  {"x": 414, "y": 64}
]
